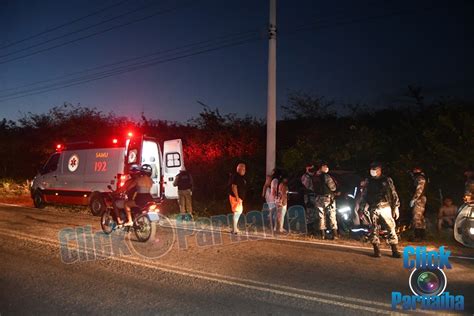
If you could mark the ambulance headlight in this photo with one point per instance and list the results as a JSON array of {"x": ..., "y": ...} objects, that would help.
[{"x": 344, "y": 209}]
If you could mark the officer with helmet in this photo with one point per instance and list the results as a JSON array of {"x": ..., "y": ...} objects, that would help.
[
  {"x": 382, "y": 198},
  {"x": 418, "y": 203},
  {"x": 325, "y": 189}
]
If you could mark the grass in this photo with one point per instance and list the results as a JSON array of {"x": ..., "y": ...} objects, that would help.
[{"x": 15, "y": 192}]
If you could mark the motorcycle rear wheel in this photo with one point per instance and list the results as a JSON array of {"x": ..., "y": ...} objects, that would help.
[
  {"x": 144, "y": 228},
  {"x": 107, "y": 222}
]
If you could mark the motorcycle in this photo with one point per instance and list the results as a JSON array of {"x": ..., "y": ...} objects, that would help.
[
  {"x": 144, "y": 218},
  {"x": 345, "y": 205},
  {"x": 364, "y": 227}
]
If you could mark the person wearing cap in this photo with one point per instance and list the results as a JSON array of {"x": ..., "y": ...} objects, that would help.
[
  {"x": 307, "y": 179},
  {"x": 418, "y": 203},
  {"x": 382, "y": 198},
  {"x": 325, "y": 189}
]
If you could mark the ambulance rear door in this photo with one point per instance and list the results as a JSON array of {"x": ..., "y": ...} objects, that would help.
[
  {"x": 150, "y": 155},
  {"x": 173, "y": 163}
]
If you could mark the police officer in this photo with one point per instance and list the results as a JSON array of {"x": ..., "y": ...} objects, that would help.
[
  {"x": 325, "y": 189},
  {"x": 382, "y": 198},
  {"x": 307, "y": 179},
  {"x": 418, "y": 203}
]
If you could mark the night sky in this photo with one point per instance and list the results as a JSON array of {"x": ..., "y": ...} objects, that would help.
[{"x": 353, "y": 51}]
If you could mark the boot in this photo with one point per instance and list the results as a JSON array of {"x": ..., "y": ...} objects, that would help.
[
  {"x": 323, "y": 233},
  {"x": 395, "y": 252},
  {"x": 335, "y": 234},
  {"x": 377, "y": 251}
]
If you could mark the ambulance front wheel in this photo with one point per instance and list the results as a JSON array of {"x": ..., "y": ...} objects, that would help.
[
  {"x": 97, "y": 204},
  {"x": 38, "y": 200}
]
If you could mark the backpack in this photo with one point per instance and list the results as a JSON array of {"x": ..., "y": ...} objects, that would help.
[{"x": 184, "y": 181}]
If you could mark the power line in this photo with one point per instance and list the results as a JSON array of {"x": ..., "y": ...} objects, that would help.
[
  {"x": 93, "y": 34},
  {"x": 159, "y": 52},
  {"x": 64, "y": 24},
  {"x": 338, "y": 12},
  {"x": 146, "y": 64},
  {"x": 362, "y": 19},
  {"x": 80, "y": 30},
  {"x": 138, "y": 67},
  {"x": 190, "y": 47}
]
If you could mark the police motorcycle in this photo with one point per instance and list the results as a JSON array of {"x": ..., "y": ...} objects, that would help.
[
  {"x": 345, "y": 198},
  {"x": 144, "y": 218},
  {"x": 364, "y": 227},
  {"x": 464, "y": 224},
  {"x": 345, "y": 215}
]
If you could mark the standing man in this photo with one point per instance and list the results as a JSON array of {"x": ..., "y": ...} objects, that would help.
[
  {"x": 384, "y": 205},
  {"x": 238, "y": 189},
  {"x": 307, "y": 179},
  {"x": 325, "y": 190},
  {"x": 184, "y": 182},
  {"x": 418, "y": 203}
]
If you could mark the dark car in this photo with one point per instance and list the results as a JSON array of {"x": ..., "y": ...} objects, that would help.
[{"x": 347, "y": 185}]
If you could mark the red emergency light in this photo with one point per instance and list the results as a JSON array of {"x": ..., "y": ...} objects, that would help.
[
  {"x": 130, "y": 134},
  {"x": 122, "y": 179},
  {"x": 59, "y": 147},
  {"x": 115, "y": 140}
]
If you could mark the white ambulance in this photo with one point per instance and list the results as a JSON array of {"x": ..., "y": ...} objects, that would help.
[{"x": 79, "y": 173}]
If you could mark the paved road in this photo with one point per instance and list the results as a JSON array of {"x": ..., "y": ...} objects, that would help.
[{"x": 247, "y": 277}]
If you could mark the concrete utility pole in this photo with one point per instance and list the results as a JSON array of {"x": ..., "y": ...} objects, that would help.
[{"x": 271, "y": 96}]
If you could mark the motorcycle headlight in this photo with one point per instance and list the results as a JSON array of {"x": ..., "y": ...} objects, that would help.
[{"x": 344, "y": 209}]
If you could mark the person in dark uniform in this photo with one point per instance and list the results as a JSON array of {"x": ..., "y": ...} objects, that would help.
[
  {"x": 382, "y": 198},
  {"x": 184, "y": 182},
  {"x": 325, "y": 189},
  {"x": 418, "y": 203},
  {"x": 307, "y": 180}
]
